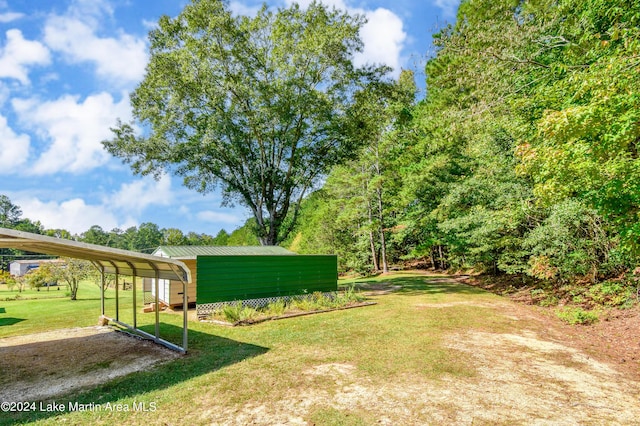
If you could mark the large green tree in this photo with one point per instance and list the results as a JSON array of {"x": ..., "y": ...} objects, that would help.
[
  {"x": 254, "y": 105},
  {"x": 526, "y": 157}
]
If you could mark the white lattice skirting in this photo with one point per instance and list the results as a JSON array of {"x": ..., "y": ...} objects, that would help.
[{"x": 206, "y": 309}]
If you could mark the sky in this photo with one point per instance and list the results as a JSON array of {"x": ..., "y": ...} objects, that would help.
[{"x": 66, "y": 70}]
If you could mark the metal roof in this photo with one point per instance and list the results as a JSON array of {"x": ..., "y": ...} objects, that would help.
[
  {"x": 191, "y": 252},
  {"x": 112, "y": 260},
  {"x": 30, "y": 261}
]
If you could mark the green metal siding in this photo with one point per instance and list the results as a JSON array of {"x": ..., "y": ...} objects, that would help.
[{"x": 228, "y": 278}]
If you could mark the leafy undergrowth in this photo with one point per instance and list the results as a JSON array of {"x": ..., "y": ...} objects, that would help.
[
  {"x": 240, "y": 314},
  {"x": 575, "y": 303}
]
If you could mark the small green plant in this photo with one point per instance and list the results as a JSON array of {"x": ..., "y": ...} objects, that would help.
[
  {"x": 349, "y": 295},
  {"x": 577, "y": 315},
  {"x": 238, "y": 312},
  {"x": 536, "y": 292},
  {"x": 578, "y": 299},
  {"x": 303, "y": 304},
  {"x": 549, "y": 300},
  {"x": 316, "y": 301},
  {"x": 611, "y": 293},
  {"x": 276, "y": 308}
]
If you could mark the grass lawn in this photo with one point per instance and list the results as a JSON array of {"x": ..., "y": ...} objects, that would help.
[
  {"x": 279, "y": 362},
  {"x": 37, "y": 311}
]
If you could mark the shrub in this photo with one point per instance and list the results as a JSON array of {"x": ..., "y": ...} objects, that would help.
[
  {"x": 317, "y": 301},
  {"x": 571, "y": 241},
  {"x": 276, "y": 308},
  {"x": 577, "y": 315},
  {"x": 550, "y": 300},
  {"x": 303, "y": 304},
  {"x": 612, "y": 293},
  {"x": 237, "y": 312},
  {"x": 349, "y": 295}
]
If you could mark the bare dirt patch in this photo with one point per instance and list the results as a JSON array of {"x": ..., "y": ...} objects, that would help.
[
  {"x": 40, "y": 366},
  {"x": 521, "y": 376},
  {"x": 614, "y": 339}
]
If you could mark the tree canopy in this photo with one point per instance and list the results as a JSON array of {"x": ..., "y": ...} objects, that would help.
[{"x": 253, "y": 105}]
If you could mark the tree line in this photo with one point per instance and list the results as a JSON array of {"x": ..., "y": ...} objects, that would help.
[
  {"x": 522, "y": 158},
  {"x": 144, "y": 238}
]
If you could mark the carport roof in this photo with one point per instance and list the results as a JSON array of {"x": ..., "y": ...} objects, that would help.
[{"x": 112, "y": 260}]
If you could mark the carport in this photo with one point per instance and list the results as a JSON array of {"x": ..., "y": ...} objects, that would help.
[{"x": 111, "y": 261}]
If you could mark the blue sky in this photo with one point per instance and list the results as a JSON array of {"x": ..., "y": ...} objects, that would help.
[{"x": 66, "y": 70}]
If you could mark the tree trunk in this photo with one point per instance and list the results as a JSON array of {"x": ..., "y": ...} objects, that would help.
[
  {"x": 374, "y": 255},
  {"x": 74, "y": 290},
  {"x": 441, "y": 259},
  {"x": 383, "y": 242}
]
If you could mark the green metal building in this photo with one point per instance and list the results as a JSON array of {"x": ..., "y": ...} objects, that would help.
[{"x": 224, "y": 274}]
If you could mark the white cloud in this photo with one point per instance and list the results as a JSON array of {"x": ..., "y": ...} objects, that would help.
[
  {"x": 448, "y": 7},
  {"x": 383, "y": 35},
  {"x": 120, "y": 59},
  {"x": 149, "y": 25},
  {"x": 73, "y": 215},
  {"x": 5, "y": 93},
  {"x": 138, "y": 195},
  {"x": 383, "y": 38},
  {"x": 218, "y": 217},
  {"x": 95, "y": 9},
  {"x": 73, "y": 128},
  {"x": 241, "y": 9},
  {"x": 10, "y": 16},
  {"x": 18, "y": 54},
  {"x": 119, "y": 209},
  {"x": 14, "y": 149}
]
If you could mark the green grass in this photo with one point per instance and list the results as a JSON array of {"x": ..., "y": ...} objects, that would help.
[
  {"x": 329, "y": 416},
  {"x": 36, "y": 311},
  {"x": 56, "y": 292},
  {"x": 230, "y": 368}
]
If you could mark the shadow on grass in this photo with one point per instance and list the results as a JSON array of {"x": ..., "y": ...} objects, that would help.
[
  {"x": 10, "y": 321},
  {"x": 207, "y": 353},
  {"x": 436, "y": 284}
]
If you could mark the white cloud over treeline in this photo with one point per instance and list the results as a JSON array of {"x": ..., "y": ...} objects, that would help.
[{"x": 383, "y": 35}]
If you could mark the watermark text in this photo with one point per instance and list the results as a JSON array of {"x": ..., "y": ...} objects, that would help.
[{"x": 67, "y": 407}]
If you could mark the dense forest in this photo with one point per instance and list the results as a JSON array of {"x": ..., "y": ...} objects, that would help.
[{"x": 522, "y": 158}]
